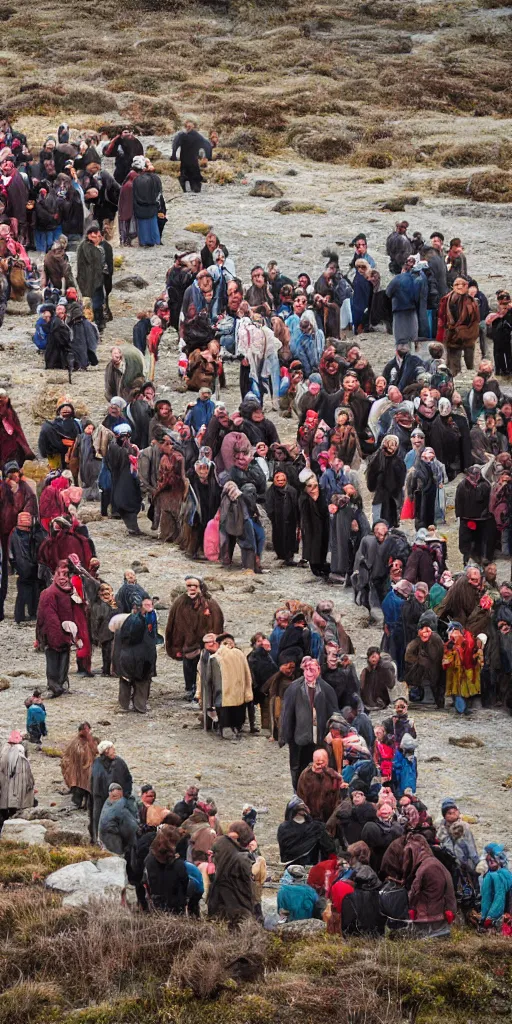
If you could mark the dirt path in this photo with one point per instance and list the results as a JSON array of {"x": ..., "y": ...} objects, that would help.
[{"x": 168, "y": 747}]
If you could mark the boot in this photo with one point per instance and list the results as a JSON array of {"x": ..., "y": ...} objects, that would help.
[{"x": 251, "y": 711}]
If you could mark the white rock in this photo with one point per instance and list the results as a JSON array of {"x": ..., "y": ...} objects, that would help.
[
  {"x": 18, "y": 830},
  {"x": 104, "y": 879}
]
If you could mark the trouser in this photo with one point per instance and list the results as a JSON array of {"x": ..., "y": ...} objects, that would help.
[
  {"x": 106, "y": 656},
  {"x": 300, "y": 757},
  {"x": 57, "y": 669},
  {"x": 503, "y": 357},
  {"x": 36, "y": 732},
  {"x": 80, "y": 798},
  {"x": 232, "y": 718},
  {"x": 482, "y": 338},
  {"x": 480, "y": 543},
  {"x": 190, "y": 673},
  {"x": 454, "y": 355},
  {"x": 192, "y": 174},
  {"x": 105, "y": 499},
  {"x": 136, "y": 690},
  {"x": 27, "y": 597},
  {"x": 130, "y": 521},
  {"x": 45, "y": 239},
  {"x": 97, "y": 301}
]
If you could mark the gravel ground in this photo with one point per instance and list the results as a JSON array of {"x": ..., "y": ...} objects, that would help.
[{"x": 168, "y": 747}]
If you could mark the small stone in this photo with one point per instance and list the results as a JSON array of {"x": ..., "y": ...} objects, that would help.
[
  {"x": 129, "y": 283},
  {"x": 4, "y": 683},
  {"x": 291, "y": 172},
  {"x": 507, "y": 783},
  {"x": 266, "y": 190},
  {"x": 305, "y": 234},
  {"x": 249, "y": 589},
  {"x": 104, "y": 721},
  {"x": 213, "y": 583},
  {"x": 198, "y": 775},
  {"x": 139, "y": 566}
]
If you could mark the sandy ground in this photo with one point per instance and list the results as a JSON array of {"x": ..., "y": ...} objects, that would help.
[{"x": 167, "y": 747}]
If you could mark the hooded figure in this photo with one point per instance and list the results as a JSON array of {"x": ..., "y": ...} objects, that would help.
[
  {"x": 432, "y": 903},
  {"x": 477, "y": 528},
  {"x": 16, "y": 779},
  {"x": 14, "y": 446},
  {"x": 302, "y": 840}
]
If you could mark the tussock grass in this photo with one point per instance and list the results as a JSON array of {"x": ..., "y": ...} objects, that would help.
[{"x": 23, "y": 864}]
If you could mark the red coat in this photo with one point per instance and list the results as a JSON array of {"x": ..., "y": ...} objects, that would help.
[
  {"x": 24, "y": 500},
  {"x": 61, "y": 546},
  {"x": 56, "y": 607}
]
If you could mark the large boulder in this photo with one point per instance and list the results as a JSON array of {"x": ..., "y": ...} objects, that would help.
[
  {"x": 18, "y": 830},
  {"x": 104, "y": 879}
]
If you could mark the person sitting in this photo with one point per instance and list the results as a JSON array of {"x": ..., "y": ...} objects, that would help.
[
  {"x": 295, "y": 898},
  {"x": 432, "y": 903},
  {"x": 496, "y": 886},
  {"x": 302, "y": 840},
  {"x": 165, "y": 874}
]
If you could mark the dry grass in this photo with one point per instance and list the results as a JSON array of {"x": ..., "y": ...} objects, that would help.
[
  {"x": 493, "y": 186},
  {"x": 24, "y": 864}
]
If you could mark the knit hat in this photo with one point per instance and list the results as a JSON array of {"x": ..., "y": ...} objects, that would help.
[
  {"x": 122, "y": 429},
  {"x": 11, "y": 467},
  {"x": 104, "y": 745},
  {"x": 408, "y": 742},
  {"x": 113, "y": 786},
  {"x": 296, "y": 871},
  {"x": 403, "y": 587},
  {"x": 447, "y": 805},
  {"x": 290, "y": 654},
  {"x": 118, "y": 402},
  {"x": 15, "y": 737},
  {"x": 315, "y": 378}
]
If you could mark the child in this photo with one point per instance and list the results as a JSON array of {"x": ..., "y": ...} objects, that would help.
[
  {"x": 383, "y": 753},
  {"x": 405, "y": 767},
  {"x": 36, "y": 718}
]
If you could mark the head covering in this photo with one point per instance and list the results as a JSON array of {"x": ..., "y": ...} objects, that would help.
[
  {"x": 422, "y": 536},
  {"x": 15, "y": 737},
  {"x": 104, "y": 745},
  {"x": 447, "y": 805},
  {"x": 290, "y": 654},
  {"x": 315, "y": 378},
  {"x": 122, "y": 429},
  {"x": 421, "y": 586},
  {"x": 497, "y": 852},
  {"x": 417, "y": 432},
  {"x": 11, "y": 467},
  {"x": 403, "y": 587},
  {"x": 113, "y": 786},
  {"x": 138, "y": 163},
  {"x": 297, "y": 871},
  {"x": 408, "y": 742},
  {"x": 390, "y": 443},
  {"x": 455, "y": 625},
  {"x": 490, "y": 399},
  {"x": 118, "y": 402},
  {"x": 444, "y": 406}
]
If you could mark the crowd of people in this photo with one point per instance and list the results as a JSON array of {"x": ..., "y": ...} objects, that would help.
[
  {"x": 363, "y": 854},
  {"x": 358, "y": 495}
]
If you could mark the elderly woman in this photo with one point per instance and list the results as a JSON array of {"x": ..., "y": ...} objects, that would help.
[
  {"x": 314, "y": 523},
  {"x": 16, "y": 779}
]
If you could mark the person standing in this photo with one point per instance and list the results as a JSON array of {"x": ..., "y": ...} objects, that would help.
[
  {"x": 308, "y": 704},
  {"x": 107, "y": 768},
  {"x": 121, "y": 460},
  {"x": 190, "y": 143},
  {"x": 229, "y": 675},
  {"x": 231, "y": 891},
  {"x": 60, "y": 624},
  {"x": 124, "y": 147},
  {"x": 16, "y": 779},
  {"x": 147, "y": 189},
  {"x": 76, "y": 764},
  {"x": 191, "y": 616},
  {"x": 135, "y": 656},
  {"x": 24, "y": 543},
  {"x": 459, "y": 326},
  {"x": 319, "y": 787},
  {"x": 117, "y": 826},
  {"x": 89, "y": 272}
]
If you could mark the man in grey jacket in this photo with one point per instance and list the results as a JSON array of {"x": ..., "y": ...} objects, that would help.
[
  {"x": 308, "y": 704},
  {"x": 118, "y": 825}
]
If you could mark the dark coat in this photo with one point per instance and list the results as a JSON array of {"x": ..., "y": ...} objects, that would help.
[
  {"x": 461, "y": 599},
  {"x": 57, "y": 354},
  {"x": 296, "y": 716},
  {"x": 314, "y": 522},
  {"x": 282, "y": 509},
  {"x": 385, "y": 476},
  {"x": 231, "y": 895},
  {"x": 431, "y": 891},
  {"x": 167, "y": 883},
  {"x": 420, "y": 566},
  {"x": 424, "y": 663},
  {"x": 126, "y": 494},
  {"x": 347, "y": 821},
  {"x": 147, "y": 187}
]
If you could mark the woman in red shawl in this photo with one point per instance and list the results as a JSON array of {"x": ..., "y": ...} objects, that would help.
[
  {"x": 170, "y": 491},
  {"x": 14, "y": 446}
]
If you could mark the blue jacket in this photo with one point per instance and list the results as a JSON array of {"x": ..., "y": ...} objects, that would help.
[
  {"x": 404, "y": 774},
  {"x": 40, "y": 336},
  {"x": 332, "y": 483},
  {"x": 298, "y": 899},
  {"x": 496, "y": 886},
  {"x": 195, "y": 879},
  {"x": 392, "y": 610},
  {"x": 36, "y": 715},
  {"x": 275, "y": 640},
  {"x": 404, "y": 290},
  {"x": 200, "y": 413}
]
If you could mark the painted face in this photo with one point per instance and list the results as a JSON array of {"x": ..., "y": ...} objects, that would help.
[
  {"x": 192, "y": 587},
  {"x": 280, "y": 480},
  {"x": 320, "y": 761},
  {"x": 350, "y": 384},
  {"x": 374, "y": 659},
  {"x": 380, "y": 532},
  {"x": 61, "y": 578},
  {"x": 425, "y": 633},
  {"x": 358, "y": 798}
]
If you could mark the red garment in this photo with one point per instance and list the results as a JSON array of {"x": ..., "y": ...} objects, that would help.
[
  {"x": 55, "y": 607},
  {"x": 12, "y": 248},
  {"x": 13, "y": 443},
  {"x": 125, "y": 208},
  {"x": 383, "y": 754},
  {"x": 61, "y": 546},
  {"x": 11, "y": 504},
  {"x": 153, "y": 340},
  {"x": 318, "y": 872},
  {"x": 338, "y": 892}
]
